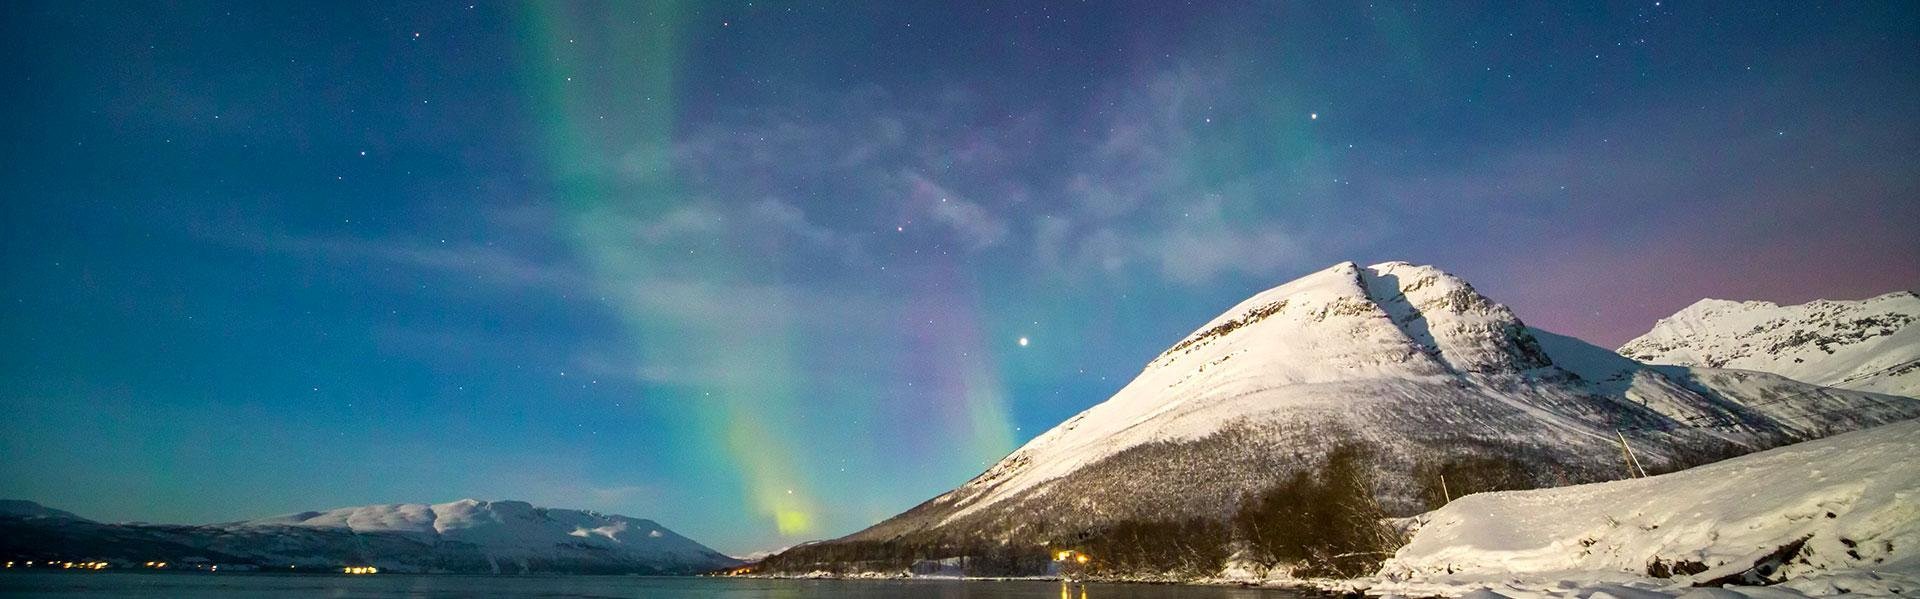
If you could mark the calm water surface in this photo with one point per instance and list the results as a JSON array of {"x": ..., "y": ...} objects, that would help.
[{"x": 222, "y": 586}]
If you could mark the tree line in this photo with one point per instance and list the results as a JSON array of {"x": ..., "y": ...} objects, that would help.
[{"x": 1321, "y": 520}]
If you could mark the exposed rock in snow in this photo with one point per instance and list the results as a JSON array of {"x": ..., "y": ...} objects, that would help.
[
  {"x": 1834, "y": 516},
  {"x": 1869, "y": 345},
  {"x": 1407, "y": 359},
  {"x": 461, "y": 536}
]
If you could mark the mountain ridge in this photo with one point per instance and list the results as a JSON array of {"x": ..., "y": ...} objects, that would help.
[
  {"x": 21, "y": 508},
  {"x": 1871, "y": 344}
]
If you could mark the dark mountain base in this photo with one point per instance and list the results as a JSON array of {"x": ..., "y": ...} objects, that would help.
[
  {"x": 45, "y": 540},
  {"x": 1318, "y": 513}
]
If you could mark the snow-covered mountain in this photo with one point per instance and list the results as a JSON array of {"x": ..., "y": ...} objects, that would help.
[
  {"x": 1833, "y": 516},
  {"x": 1868, "y": 345},
  {"x": 510, "y": 531},
  {"x": 1407, "y": 360},
  {"x": 461, "y": 536}
]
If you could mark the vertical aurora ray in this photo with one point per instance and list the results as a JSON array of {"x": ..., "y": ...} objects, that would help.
[
  {"x": 950, "y": 359},
  {"x": 602, "y": 91}
]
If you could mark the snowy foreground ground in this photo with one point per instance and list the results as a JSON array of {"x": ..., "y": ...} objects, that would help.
[{"x": 1833, "y": 517}]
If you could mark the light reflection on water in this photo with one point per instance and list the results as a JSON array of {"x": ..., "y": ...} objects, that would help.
[{"x": 239, "y": 586}]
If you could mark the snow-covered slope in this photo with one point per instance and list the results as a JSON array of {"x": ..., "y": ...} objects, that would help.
[
  {"x": 1830, "y": 516},
  {"x": 461, "y": 536},
  {"x": 1869, "y": 345},
  {"x": 1406, "y": 359}
]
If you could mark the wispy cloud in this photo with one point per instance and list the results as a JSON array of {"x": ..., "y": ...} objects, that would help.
[
  {"x": 786, "y": 218},
  {"x": 480, "y": 263},
  {"x": 1138, "y": 201},
  {"x": 976, "y": 226},
  {"x": 1205, "y": 244}
]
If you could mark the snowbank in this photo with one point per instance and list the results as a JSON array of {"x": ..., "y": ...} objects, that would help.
[{"x": 1837, "y": 516}]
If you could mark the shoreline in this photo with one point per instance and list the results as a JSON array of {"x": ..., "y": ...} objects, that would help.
[{"x": 1313, "y": 587}]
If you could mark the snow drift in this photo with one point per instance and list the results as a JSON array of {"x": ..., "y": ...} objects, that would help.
[{"x": 1834, "y": 516}]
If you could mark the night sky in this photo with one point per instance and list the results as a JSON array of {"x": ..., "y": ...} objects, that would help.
[{"x": 763, "y": 270}]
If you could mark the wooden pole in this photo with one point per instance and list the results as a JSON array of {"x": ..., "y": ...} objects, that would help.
[{"x": 1633, "y": 464}]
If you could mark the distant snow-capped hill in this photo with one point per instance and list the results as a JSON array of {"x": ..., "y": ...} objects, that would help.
[
  {"x": 1408, "y": 360},
  {"x": 507, "y": 529},
  {"x": 461, "y": 536},
  {"x": 1868, "y": 345},
  {"x": 19, "y": 508}
]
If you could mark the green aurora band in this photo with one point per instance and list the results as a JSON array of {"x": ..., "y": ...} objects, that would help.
[{"x": 607, "y": 140}]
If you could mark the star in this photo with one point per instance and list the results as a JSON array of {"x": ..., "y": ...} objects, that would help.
[
  {"x": 1313, "y": 116},
  {"x": 1023, "y": 342}
]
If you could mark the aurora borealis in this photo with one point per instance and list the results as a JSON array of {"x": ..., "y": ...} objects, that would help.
[{"x": 772, "y": 271}]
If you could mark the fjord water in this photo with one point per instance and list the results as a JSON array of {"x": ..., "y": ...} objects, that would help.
[{"x": 223, "y": 586}]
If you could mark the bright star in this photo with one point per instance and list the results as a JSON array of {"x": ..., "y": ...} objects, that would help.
[
  {"x": 1313, "y": 116},
  {"x": 1023, "y": 342}
]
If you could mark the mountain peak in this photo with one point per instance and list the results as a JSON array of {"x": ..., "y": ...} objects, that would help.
[
  {"x": 1709, "y": 306},
  {"x": 1870, "y": 345},
  {"x": 1396, "y": 315},
  {"x": 1449, "y": 319}
]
